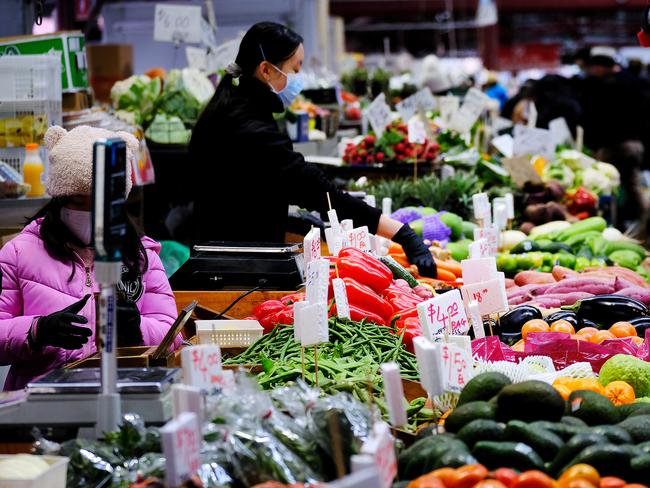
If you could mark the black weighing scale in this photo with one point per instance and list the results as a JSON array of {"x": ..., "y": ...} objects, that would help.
[{"x": 239, "y": 266}]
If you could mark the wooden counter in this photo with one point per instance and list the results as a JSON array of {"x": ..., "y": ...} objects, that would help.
[{"x": 219, "y": 300}]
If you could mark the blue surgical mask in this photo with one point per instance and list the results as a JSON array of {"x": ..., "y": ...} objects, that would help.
[{"x": 295, "y": 84}]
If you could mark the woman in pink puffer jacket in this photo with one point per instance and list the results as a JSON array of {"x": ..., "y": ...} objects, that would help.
[{"x": 47, "y": 283}]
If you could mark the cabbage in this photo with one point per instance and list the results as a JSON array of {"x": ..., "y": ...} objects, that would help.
[
  {"x": 575, "y": 159},
  {"x": 136, "y": 94},
  {"x": 165, "y": 129},
  {"x": 185, "y": 95}
]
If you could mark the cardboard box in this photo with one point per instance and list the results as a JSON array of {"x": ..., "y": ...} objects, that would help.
[
  {"x": 108, "y": 63},
  {"x": 71, "y": 45},
  {"x": 74, "y": 102}
]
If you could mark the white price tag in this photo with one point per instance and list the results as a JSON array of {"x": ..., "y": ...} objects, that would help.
[
  {"x": 443, "y": 314},
  {"x": 510, "y": 204},
  {"x": 482, "y": 208},
  {"x": 347, "y": 225},
  {"x": 416, "y": 132},
  {"x": 457, "y": 364},
  {"x": 429, "y": 360},
  {"x": 334, "y": 220},
  {"x": 477, "y": 321},
  {"x": 490, "y": 295},
  {"x": 359, "y": 238},
  {"x": 370, "y": 201},
  {"x": 521, "y": 170},
  {"x": 177, "y": 23},
  {"x": 462, "y": 341},
  {"x": 479, "y": 249},
  {"x": 394, "y": 394},
  {"x": 311, "y": 246},
  {"x": 379, "y": 115},
  {"x": 532, "y": 114},
  {"x": 472, "y": 108},
  {"x": 341, "y": 299},
  {"x": 311, "y": 321},
  {"x": 181, "y": 442},
  {"x": 422, "y": 100},
  {"x": 296, "y": 313},
  {"x": 531, "y": 141},
  {"x": 477, "y": 270},
  {"x": 381, "y": 447},
  {"x": 202, "y": 367},
  {"x": 186, "y": 398},
  {"x": 491, "y": 234},
  {"x": 334, "y": 241},
  {"x": 197, "y": 58},
  {"x": 447, "y": 171},
  {"x": 561, "y": 132},
  {"x": 318, "y": 274},
  {"x": 386, "y": 205},
  {"x": 448, "y": 107},
  {"x": 505, "y": 144},
  {"x": 500, "y": 218}
]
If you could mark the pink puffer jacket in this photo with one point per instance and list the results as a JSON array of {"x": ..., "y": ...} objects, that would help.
[{"x": 33, "y": 284}]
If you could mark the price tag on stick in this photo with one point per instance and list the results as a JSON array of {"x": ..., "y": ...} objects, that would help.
[
  {"x": 341, "y": 299},
  {"x": 510, "y": 205},
  {"x": 472, "y": 108},
  {"x": 359, "y": 238},
  {"x": 394, "y": 393},
  {"x": 482, "y": 208},
  {"x": 311, "y": 321},
  {"x": 443, "y": 314},
  {"x": 429, "y": 360},
  {"x": 181, "y": 442},
  {"x": 379, "y": 115},
  {"x": 477, "y": 270},
  {"x": 457, "y": 364},
  {"x": 381, "y": 447},
  {"x": 186, "y": 398},
  {"x": 477, "y": 321},
  {"x": 202, "y": 367},
  {"x": 318, "y": 273},
  {"x": 479, "y": 249},
  {"x": 490, "y": 295},
  {"x": 491, "y": 235},
  {"x": 311, "y": 246}
]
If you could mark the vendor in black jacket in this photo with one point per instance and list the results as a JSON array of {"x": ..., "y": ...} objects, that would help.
[{"x": 247, "y": 171}]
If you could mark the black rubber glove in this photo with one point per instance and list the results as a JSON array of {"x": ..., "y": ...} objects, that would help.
[
  {"x": 416, "y": 251},
  {"x": 128, "y": 324},
  {"x": 57, "y": 330}
]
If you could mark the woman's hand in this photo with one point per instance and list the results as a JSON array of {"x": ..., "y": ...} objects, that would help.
[
  {"x": 57, "y": 330},
  {"x": 416, "y": 251},
  {"x": 128, "y": 324}
]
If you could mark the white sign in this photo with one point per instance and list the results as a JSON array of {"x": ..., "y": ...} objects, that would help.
[
  {"x": 491, "y": 234},
  {"x": 311, "y": 322},
  {"x": 510, "y": 204},
  {"x": 381, "y": 447},
  {"x": 479, "y": 249},
  {"x": 394, "y": 394},
  {"x": 490, "y": 295},
  {"x": 521, "y": 170},
  {"x": 443, "y": 314},
  {"x": 561, "y": 132},
  {"x": 386, "y": 205},
  {"x": 186, "y": 398},
  {"x": 532, "y": 114},
  {"x": 359, "y": 238},
  {"x": 477, "y": 270},
  {"x": 181, "y": 442},
  {"x": 202, "y": 367},
  {"x": 472, "y": 108},
  {"x": 177, "y": 23},
  {"x": 416, "y": 132},
  {"x": 370, "y": 201},
  {"x": 447, "y": 171},
  {"x": 341, "y": 299},
  {"x": 334, "y": 220},
  {"x": 422, "y": 100},
  {"x": 311, "y": 246},
  {"x": 429, "y": 360},
  {"x": 448, "y": 107},
  {"x": 379, "y": 115},
  {"x": 457, "y": 364},
  {"x": 318, "y": 274},
  {"x": 504, "y": 144},
  {"x": 334, "y": 241},
  {"x": 477, "y": 321},
  {"x": 482, "y": 208},
  {"x": 197, "y": 58},
  {"x": 500, "y": 218},
  {"x": 531, "y": 141}
]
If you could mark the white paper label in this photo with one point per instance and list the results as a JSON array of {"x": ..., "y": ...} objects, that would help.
[
  {"x": 318, "y": 274},
  {"x": 510, "y": 205},
  {"x": 394, "y": 394},
  {"x": 478, "y": 270},
  {"x": 422, "y": 100},
  {"x": 531, "y": 141},
  {"x": 416, "y": 132},
  {"x": 186, "y": 398},
  {"x": 457, "y": 364},
  {"x": 477, "y": 321},
  {"x": 491, "y": 234},
  {"x": 347, "y": 225},
  {"x": 561, "y": 132},
  {"x": 202, "y": 367},
  {"x": 443, "y": 314},
  {"x": 472, "y": 108},
  {"x": 504, "y": 144},
  {"x": 462, "y": 341},
  {"x": 197, "y": 58},
  {"x": 370, "y": 201},
  {"x": 482, "y": 208},
  {"x": 532, "y": 114},
  {"x": 490, "y": 295},
  {"x": 311, "y": 321},
  {"x": 580, "y": 137},
  {"x": 379, "y": 115},
  {"x": 297, "y": 306},
  {"x": 386, "y": 205},
  {"x": 448, "y": 107},
  {"x": 500, "y": 218},
  {"x": 181, "y": 442},
  {"x": 311, "y": 246},
  {"x": 341, "y": 298},
  {"x": 381, "y": 447},
  {"x": 359, "y": 238},
  {"x": 429, "y": 360},
  {"x": 447, "y": 171},
  {"x": 521, "y": 170},
  {"x": 334, "y": 241},
  {"x": 479, "y": 249},
  {"x": 177, "y": 23}
]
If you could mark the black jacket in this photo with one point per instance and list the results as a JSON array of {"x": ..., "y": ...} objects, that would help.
[{"x": 248, "y": 173}]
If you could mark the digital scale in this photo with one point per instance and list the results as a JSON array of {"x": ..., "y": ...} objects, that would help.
[{"x": 241, "y": 266}]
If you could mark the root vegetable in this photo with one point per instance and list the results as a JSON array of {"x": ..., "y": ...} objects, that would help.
[
  {"x": 641, "y": 294},
  {"x": 561, "y": 273},
  {"x": 533, "y": 277}
]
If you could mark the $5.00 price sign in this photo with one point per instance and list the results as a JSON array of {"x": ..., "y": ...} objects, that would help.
[
  {"x": 457, "y": 365},
  {"x": 443, "y": 314}
]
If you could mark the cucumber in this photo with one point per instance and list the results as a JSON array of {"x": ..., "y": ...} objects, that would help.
[
  {"x": 572, "y": 448},
  {"x": 399, "y": 271},
  {"x": 517, "y": 455},
  {"x": 545, "y": 443}
]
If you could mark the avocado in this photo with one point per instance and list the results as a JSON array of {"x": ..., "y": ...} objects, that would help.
[
  {"x": 529, "y": 401},
  {"x": 545, "y": 443},
  {"x": 459, "y": 250},
  {"x": 468, "y": 229},
  {"x": 629, "y": 409},
  {"x": 614, "y": 433},
  {"x": 638, "y": 427},
  {"x": 640, "y": 467},
  {"x": 517, "y": 455},
  {"x": 483, "y": 387},
  {"x": 572, "y": 448},
  {"x": 481, "y": 430},
  {"x": 454, "y": 222},
  {"x": 592, "y": 407},
  {"x": 417, "y": 226},
  {"x": 606, "y": 458},
  {"x": 561, "y": 429},
  {"x": 423, "y": 455},
  {"x": 464, "y": 414},
  {"x": 575, "y": 421},
  {"x": 455, "y": 458}
]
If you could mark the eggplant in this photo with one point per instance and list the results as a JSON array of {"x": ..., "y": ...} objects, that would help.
[
  {"x": 513, "y": 321},
  {"x": 641, "y": 324},
  {"x": 567, "y": 315},
  {"x": 589, "y": 323},
  {"x": 609, "y": 309}
]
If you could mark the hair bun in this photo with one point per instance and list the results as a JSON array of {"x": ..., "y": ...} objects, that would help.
[{"x": 234, "y": 70}]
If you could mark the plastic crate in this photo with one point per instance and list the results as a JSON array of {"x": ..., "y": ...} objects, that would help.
[
  {"x": 228, "y": 333},
  {"x": 36, "y": 77},
  {"x": 55, "y": 477}
]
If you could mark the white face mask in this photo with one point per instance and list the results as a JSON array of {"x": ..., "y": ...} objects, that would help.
[{"x": 79, "y": 223}]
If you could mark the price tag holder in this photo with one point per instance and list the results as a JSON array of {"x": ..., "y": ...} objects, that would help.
[
  {"x": 429, "y": 360},
  {"x": 560, "y": 131},
  {"x": 477, "y": 321},
  {"x": 359, "y": 238},
  {"x": 521, "y": 170},
  {"x": 341, "y": 299},
  {"x": 202, "y": 367},
  {"x": 311, "y": 323},
  {"x": 394, "y": 394},
  {"x": 317, "y": 283},
  {"x": 472, "y": 108},
  {"x": 443, "y": 314},
  {"x": 381, "y": 447},
  {"x": 333, "y": 218},
  {"x": 478, "y": 270},
  {"x": 181, "y": 442},
  {"x": 482, "y": 208},
  {"x": 416, "y": 131},
  {"x": 448, "y": 107},
  {"x": 479, "y": 249},
  {"x": 379, "y": 115},
  {"x": 531, "y": 141},
  {"x": 311, "y": 246},
  {"x": 457, "y": 367},
  {"x": 490, "y": 295},
  {"x": 491, "y": 235},
  {"x": 177, "y": 23},
  {"x": 186, "y": 398}
]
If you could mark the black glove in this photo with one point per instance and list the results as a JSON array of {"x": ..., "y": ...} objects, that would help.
[
  {"x": 416, "y": 251},
  {"x": 57, "y": 330},
  {"x": 128, "y": 324}
]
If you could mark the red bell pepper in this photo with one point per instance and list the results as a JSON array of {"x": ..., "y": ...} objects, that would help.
[
  {"x": 401, "y": 298},
  {"x": 284, "y": 316},
  {"x": 364, "y": 268},
  {"x": 409, "y": 328},
  {"x": 293, "y": 298},
  {"x": 358, "y": 314},
  {"x": 267, "y": 308},
  {"x": 363, "y": 297},
  {"x": 404, "y": 314}
]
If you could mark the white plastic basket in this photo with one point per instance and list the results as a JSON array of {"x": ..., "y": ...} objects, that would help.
[
  {"x": 228, "y": 333},
  {"x": 55, "y": 477}
]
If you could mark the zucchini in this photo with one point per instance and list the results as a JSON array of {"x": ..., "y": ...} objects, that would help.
[{"x": 399, "y": 271}]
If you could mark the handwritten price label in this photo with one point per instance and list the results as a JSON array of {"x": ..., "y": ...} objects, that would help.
[
  {"x": 310, "y": 322},
  {"x": 482, "y": 208},
  {"x": 359, "y": 238},
  {"x": 448, "y": 107},
  {"x": 416, "y": 132},
  {"x": 457, "y": 364},
  {"x": 531, "y": 141},
  {"x": 443, "y": 314},
  {"x": 429, "y": 361},
  {"x": 379, "y": 115},
  {"x": 341, "y": 298},
  {"x": 181, "y": 442},
  {"x": 479, "y": 249},
  {"x": 202, "y": 367},
  {"x": 381, "y": 447},
  {"x": 491, "y": 235},
  {"x": 422, "y": 100},
  {"x": 490, "y": 295},
  {"x": 311, "y": 246},
  {"x": 472, "y": 108},
  {"x": 318, "y": 273},
  {"x": 177, "y": 23}
]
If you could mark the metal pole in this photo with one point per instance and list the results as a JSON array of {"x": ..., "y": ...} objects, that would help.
[{"x": 451, "y": 31}]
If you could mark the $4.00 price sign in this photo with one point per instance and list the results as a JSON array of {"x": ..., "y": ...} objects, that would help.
[
  {"x": 457, "y": 365},
  {"x": 443, "y": 314},
  {"x": 181, "y": 442}
]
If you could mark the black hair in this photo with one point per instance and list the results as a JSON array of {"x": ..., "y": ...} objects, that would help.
[
  {"x": 60, "y": 241},
  {"x": 265, "y": 41}
]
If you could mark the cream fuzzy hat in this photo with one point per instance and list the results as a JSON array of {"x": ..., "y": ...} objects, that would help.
[{"x": 71, "y": 158}]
